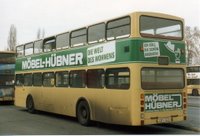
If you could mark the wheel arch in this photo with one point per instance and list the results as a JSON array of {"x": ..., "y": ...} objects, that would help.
[
  {"x": 89, "y": 104},
  {"x": 28, "y": 96},
  {"x": 195, "y": 92}
]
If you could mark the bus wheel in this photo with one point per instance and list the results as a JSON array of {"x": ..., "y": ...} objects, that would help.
[
  {"x": 195, "y": 92},
  {"x": 30, "y": 104},
  {"x": 83, "y": 113}
]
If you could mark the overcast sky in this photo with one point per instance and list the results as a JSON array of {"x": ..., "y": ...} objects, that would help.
[{"x": 56, "y": 16}]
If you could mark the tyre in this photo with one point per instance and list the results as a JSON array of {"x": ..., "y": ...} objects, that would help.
[
  {"x": 195, "y": 92},
  {"x": 30, "y": 104},
  {"x": 83, "y": 113}
]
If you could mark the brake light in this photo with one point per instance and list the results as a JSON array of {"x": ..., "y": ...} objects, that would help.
[{"x": 184, "y": 100}]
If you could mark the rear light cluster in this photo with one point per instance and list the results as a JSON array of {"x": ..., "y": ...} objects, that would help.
[
  {"x": 142, "y": 109},
  {"x": 184, "y": 104},
  {"x": 142, "y": 102},
  {"x": 184, "y": 100}
]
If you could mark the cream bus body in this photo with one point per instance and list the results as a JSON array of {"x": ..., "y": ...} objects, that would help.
[{"x": 117, "y": 106}]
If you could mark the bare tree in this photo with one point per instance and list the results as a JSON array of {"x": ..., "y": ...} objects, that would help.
[
  {"x": 43, "y": 33},
  {"x": 12, "y": 38},
  {"x": 39, "y": 33},
  {"x": 192, "y": 37}
]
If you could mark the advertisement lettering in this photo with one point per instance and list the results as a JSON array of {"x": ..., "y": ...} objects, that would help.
[
  {"x": 158, "y": 102},
  {"x": 53, "y": 61},
  {"x": 101, "y": 54}
]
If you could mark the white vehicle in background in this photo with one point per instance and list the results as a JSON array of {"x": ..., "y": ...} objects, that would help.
[{"x": 193, "y": 80}]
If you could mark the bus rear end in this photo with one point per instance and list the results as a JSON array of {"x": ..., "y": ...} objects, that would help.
[
  {"x": 193, "y": 80},
  {"x": 163, "y": 98},
  {"x": 159, "y": 50},
  {"x": 7, "y": 74}
]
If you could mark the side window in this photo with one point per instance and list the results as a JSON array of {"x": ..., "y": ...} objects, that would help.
[
  {"x": 20, "y": 50},
  {"x": 48, "y": 79},
  {"x": 28, "y": 49},
  {"x": 49, "y": 44},
  {"x": 62, "y": 79},
  {"x": 62, "y": 41},
  {"x": 38, "y": 47},
  {"x": 78, "y": 37},
  {"x": 27, "y": 79},
  {"x": 37, "y": 79},
  {"x": 193, "y": 69},
  {"x": 96, "y": 33},
  {"x": 95, "y": 78},
  {"x": 118, "y": 78},
  {"x": 19, "y": 79},
  {"x": 118, "y": 28},
  {"x": 78, "y": 78}
]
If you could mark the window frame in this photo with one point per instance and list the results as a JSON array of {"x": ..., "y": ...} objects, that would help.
[
  {"x": 31, "y": 43},
  {"x": 25, "y": 79},
  {"x": 94, "y": 42},
  {"x": 52, "y": 44},
  {"x": 84, "y": 82},
  {"x": 80, "y": 35},
  {"x": 193, "y": 81},
  {"x": 161, "y": 88},
  {"x": 20, "y": 46},
  {"x": 162, "y": 37},
  {"x": 121, "y": 36},
  {"x": 21, "y": 84},
  {"x": 41, "y": 82},
  {"x": 41, "y": 46},
  {"x": 97, "y": 79},
  {"x": 193, "y": 69},
  {"x": 67, "y": 39},
  {"x": 43, "y": 78},
  {"x": 68, "y": 83},
  {"x": 125, "y": 86}
]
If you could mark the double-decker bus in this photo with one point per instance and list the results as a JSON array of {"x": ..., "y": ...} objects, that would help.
[
  {"x": 193, "y": 80},
  {"x": 7, "y": 74},
  {"x": 129, "y": 70}
]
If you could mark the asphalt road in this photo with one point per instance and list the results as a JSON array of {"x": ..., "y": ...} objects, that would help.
[{"x": 17, "y": 121}]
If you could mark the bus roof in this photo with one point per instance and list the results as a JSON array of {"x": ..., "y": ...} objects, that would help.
[
  {"x": 159, "y": 14},
  {"x": 194, "y": 66},
  {"x": 11, "y": 52}
]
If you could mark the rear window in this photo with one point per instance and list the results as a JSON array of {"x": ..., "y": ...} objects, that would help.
[
  {"x": 162, "y": 78},
  {"x": 161, "y": 28}
]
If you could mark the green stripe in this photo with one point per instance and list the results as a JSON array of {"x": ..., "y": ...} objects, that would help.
[{"x": 119, "y": 52}]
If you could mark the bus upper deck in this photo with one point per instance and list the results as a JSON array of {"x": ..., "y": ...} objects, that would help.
[{"x": 154, "y": 36}]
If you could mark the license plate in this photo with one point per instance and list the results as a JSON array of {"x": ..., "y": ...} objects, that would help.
[{"x": 164, "y": 120}]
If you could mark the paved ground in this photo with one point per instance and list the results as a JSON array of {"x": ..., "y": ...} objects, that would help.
[{"x": 17, "y": 121}]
